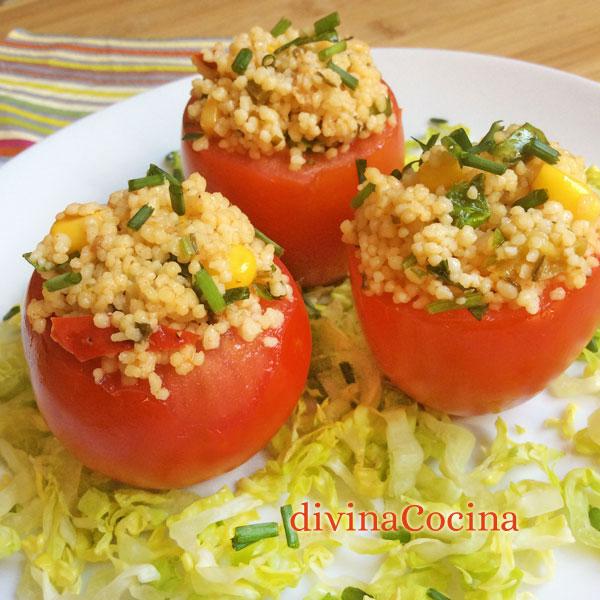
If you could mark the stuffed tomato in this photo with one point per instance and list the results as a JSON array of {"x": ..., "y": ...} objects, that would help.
[
  {"x": 166, "y": 342},
  {"x": 476, "y": 277},
  {"x": 277, "y": 123}
]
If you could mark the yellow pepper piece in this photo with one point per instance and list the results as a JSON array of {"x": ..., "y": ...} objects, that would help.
[
  {"x": 74, "y": 227},
  {"x": 445, "y": 173},
  {"x": 208, "y": 116},
  {"x": 573, "y": 194},
  {"x": 242, "y": 265}
]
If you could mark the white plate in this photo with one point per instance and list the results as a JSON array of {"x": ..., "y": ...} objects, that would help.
[{"x": 97, "y": 155}]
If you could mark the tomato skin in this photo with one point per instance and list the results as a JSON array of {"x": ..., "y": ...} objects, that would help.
[
  {"x": 216, "y": 417},
  {"x": 454, "y": 363},
  {"x": 301, "y": 210}
]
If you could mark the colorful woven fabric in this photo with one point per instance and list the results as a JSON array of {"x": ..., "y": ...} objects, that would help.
[{"x": 49, "y": 81}]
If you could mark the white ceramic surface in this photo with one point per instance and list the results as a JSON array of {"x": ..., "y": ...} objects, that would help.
[{"x": 97, "y": 155}]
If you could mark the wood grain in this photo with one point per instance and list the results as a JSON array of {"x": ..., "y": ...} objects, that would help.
[{"x": 559, "y": 33}]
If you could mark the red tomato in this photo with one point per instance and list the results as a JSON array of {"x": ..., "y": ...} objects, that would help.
[
  {"x": 454, "y": 363},
  {"x": 302, "y": 210},
  {"x": 215, "y": 418}
]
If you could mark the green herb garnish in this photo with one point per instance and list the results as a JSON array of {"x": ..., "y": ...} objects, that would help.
[
  {"x": 362, "y": 195},
  {"x": 241, "y": 61},
  {"x": 361, "y": 165},
  {"x": 388, "y": 107},
  {"x": 397, "y": 173},
  {"x": 268, "y": 60},
  {"x": 327, "y": 23},
  {"x": 291, "y": 535},
  {"x": 140, "y": 217},
  {"x": 236, "y": 294},
  {"x": 263, "y": 291},
  {"x": 347, "y": 79},
  {"x": 267, "y": 240},
  {"x": 524, "y": 142},
  {"x": 311, "y": 309},
  {"x": 543, "y": 151},
  {"x": 465, "y": 210},
  {"x": 175, "y": 189},
  {"x": 148, "y": 181},
  {"x": 465, "y": 155},
  {"x": 281, "y": 27},
  {"x": 486, "y": 143},
  {"x": 173, "y": 160},
  {"x": 60, "y": 282},
  {"x": 411, "y": 261},
  {"x": 533, "y": 199},
  {"x": 206, "y": 289},
  {"x": 332, "y": 50},
  {"x": 437, "y": 121},
  {"x": 188, "y": 246},
  {"x": 498, "y": 238},
  {"x": 191, "y": 136},
  {"x": 245, "y": 535},
  {"x": 15, "y": 310}
]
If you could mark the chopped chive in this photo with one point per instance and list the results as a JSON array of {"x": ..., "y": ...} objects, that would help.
[
  {"x": 473, "y": 301},
  {"x": 437, "y": 121},
  {"x": 173, "y": 160},
  {"x": 533, "y": 199},
  {"x": 175, "y": 189},
  {"x": 60, "y": 282},
  {"x": 429, "y": 144},
  {"x": 535, "y": 274},
  {"x": 362, "y": 195},
  {"x": 594, "y": 515},
  {"x": 148, "y": 181},
  {"x": 36, "y": 266},
  {"x": 544, "y": 151},
  {"x": 461, "y": 138},
  {"x": 478, "y": 311},
  {"x": 262, "y": 291},
  {"x": 347, "y": 372},
  {"x": 290, "y": 533},
  {"x": 245, "y": 535},
  {"x": 207, "y": 290},
  {"x": 354, "y": 593},
  {"x": 332, "y": 50},
  {"x": 241, "y": 61},
  {"x": 487, "y": 143},
  {"x": 140, "y": 217},
  {"x": 435, "y": 595},
  {"x": 267, "y": 240},
  {"x": 268, "y": 60},
  {"x": 409, "y": 261},
  {"x": 498, "y": 238},
  {"x": 281, "y": 27},
  {"x": 388, "y": 107},
  {"x": 399, "y": 534},
  {"x": 397, "y": 173},
  {"x": 15, "y": 310},
  {"x": 347, "y": 79},
  {"x": 236, "y": 294},
  {"x": 327, "y": 23},
  {"x": 191, "y": 136},
  {"x": 188, "y": 246},
  {"x": 144, "y": 328},
  {"x": 361, "y": 165},
  {"x": 468, "y": 159},
  {"x": 592, "y": 346},
  {"x": 328, "y": 36}
]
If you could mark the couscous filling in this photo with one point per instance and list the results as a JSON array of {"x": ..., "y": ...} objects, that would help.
[
  {"x": 166, "y": 253},
  {"x": 479, "y": 226},
  {"x": 305, "y": 92}
]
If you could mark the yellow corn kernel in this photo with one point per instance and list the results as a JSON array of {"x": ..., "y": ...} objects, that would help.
[
  {"x": 573, "y": 194},
  {"x": 242, "y": 265},
  {"x": 208, "y": 116},
  {"x": 445, "y": 173},
  {"x": 74, "y": 227}
]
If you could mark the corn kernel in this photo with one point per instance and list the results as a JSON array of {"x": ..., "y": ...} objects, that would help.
[
  {"x": 242, "y": 265},
  {"x": 574, "y": 195},
  {"x": 74, "y": 228}
]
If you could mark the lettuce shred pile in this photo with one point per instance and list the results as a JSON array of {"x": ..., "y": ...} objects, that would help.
[{"x": 352, "y": 437}]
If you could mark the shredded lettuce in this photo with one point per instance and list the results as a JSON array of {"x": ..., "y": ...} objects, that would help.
[{"x": 352, "y": 437}]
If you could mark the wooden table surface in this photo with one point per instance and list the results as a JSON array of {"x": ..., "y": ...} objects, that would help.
[{"x": 559, "y": 33}]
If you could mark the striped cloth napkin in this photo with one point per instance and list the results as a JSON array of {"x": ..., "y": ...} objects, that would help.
[{"x": 49, "y": 81}]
